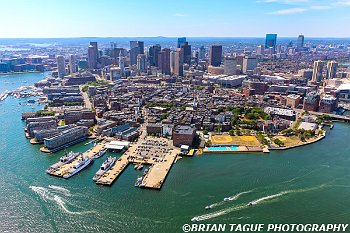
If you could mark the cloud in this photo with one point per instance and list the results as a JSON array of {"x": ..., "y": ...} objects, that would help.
[
  {"x": 284, "y": 1},
  {"x": 289, "y": 11},
  {"x": 342, "y": 3},
  {"x": 179, "y": 15},
  {"x": 320, "y": 7}
]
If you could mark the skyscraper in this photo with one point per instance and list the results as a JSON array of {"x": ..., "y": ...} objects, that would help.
[
  {"x": 260, "y": 50},
  {"x": 215, "y": 55},
  {"x": 121, "y": 62},
  {"x": 164, "y": 61},
  {"x": 201, "y": 53},
  {"x": 271, "y": 40},
  {"x": 187, "y": 52},
  {"x": 153, "y": 52},
  {"x": 249, "y": 64},
  {"x": 141, "y": 62},
  {"x": 61, "y": 67},
  {"x": 92, "y": 55},
  {"x": 230, "y": 65},
  {"x": 72, "y": 64},
  {"x": 332, "y": 67},
  {"x": 181, "y": 41},
  {"x": 136, "y": 48},
  {"x": 178, "y": 65},
  {"x": 300, "y": 43},
  {"x": 317, "y": 71},
  {"x": 172, "y": 61}
]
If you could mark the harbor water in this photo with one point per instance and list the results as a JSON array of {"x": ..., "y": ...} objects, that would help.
[{"x": 310, "y": 184}]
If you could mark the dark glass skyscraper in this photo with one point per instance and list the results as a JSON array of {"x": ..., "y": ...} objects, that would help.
[
  {"x": 300, "y": 44},
  {"x": 181, "y": 41},
  {"x": 215, "y": 55},
  {"x": 271, "y": 40}
]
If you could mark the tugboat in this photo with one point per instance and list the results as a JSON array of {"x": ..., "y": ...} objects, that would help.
[{"x": 104, "y": 168}]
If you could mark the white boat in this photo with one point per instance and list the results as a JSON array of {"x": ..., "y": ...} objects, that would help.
[
  {"x": 145, "y": 172},
  {"x": 136, "y": 166},
  {"x": 208, "y": 207},
  {"x": 140, "y": 167},
  {"x": 106, "y": 165},
  {"x": 78, "y": 166},
  {"x": 100, "y": 154},
  {"x": 195, "y": 219},
  {"x": 138, "y": 181},
  {"x": 226, "y": 199},
  {"x": 63, "y": 160}
]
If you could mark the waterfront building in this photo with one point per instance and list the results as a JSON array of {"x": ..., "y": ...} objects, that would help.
[
  {"x": 183, "y": 135},
  {"x": 66, "y": 138},
  {"x": 343, "y": 92},
  {"x": 178, "y": 65},
  {"x": 141, "y": 62},
  {"x": 181, "y": 41},
  {"x": 311, "y": 101},
  {"x": 72, "y": 64},
  {"x": 215, "y": 55},
  {"x": 317, "y": 71},
  {"x": 40, "y": 125},
  {"x": 270, "y": 42},
  {"x": 61, "y": 66},
  {"x": 327, "y": 104},
  {"x": 332, "y": 67}
]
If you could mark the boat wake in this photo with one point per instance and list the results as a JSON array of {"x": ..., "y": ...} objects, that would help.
[
  {"x": 60, "y": 189},
  {"x": 226, "y": 199},
  {"x": 49, "y": 195},
  {"x": 260, "y": 200}
]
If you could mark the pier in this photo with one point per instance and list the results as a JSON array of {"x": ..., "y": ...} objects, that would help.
[
  {"x": 156, "y": 152},
  {"x": 65, "y": 168}
]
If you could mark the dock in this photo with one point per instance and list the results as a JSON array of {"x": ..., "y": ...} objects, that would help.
[
  {"x": 156, "y": 152},
  {"x": 69, "y": 166}
]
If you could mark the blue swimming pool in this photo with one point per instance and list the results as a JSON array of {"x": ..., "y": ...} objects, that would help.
[{"x": 224, "y": 148}]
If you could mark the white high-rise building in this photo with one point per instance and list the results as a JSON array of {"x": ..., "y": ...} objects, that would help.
[
  {"x": 317, "y": 71},
  {"x": 61, "y": 67},
  {"x": 141, "y": 62},
  {"x": 172, "y": 61},
  {"x": 72, "y": 64},
  {"x": 332, "y": 68},
  {"x": 260, "y": 50},
  {"x": 249, "y": 64},
  {"x": 230, "y": 65}
]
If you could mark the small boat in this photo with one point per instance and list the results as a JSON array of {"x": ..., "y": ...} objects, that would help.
[
  {"x": 208, "y": 207},
  {"x": 136, "y": 166},
  {"x": 251, "y": 203},
  {"x": 145, "y": 171},
  {"x": 138, "y": 181},
  {"x": 140, "y": 167},
  {"x": 226, "y": 199},
  {"x": 195, "y": 219}
]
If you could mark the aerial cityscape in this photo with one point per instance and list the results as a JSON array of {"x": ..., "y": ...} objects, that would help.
[{"x": 146, "y": 133}]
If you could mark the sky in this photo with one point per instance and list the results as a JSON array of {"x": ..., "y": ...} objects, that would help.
[{"x": 173, "y": 18}]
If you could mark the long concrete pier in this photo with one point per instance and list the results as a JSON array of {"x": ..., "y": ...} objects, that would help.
[
  {"x": 66, "y": 168},
  {"x": 156, "y": 152}
]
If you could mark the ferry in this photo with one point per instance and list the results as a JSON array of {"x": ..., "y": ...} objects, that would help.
[
  {"x": 78, "y": 166},
  {"x": 63, "y": 160},
  {"x": 100, "y": 154},
  {"x": 104, "y": 168}
]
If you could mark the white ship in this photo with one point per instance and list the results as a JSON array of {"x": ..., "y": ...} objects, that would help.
[
  {"x": 63, "y": 160},
  {"x": 104, "y": 168},
  {"x": 78, "y": 166}
]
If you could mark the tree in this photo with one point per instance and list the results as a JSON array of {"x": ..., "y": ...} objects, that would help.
[
  {"x": 231, "y": 132},
  {"x": 278, "y": 142},
  {"x": 205, "y": 132}
]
